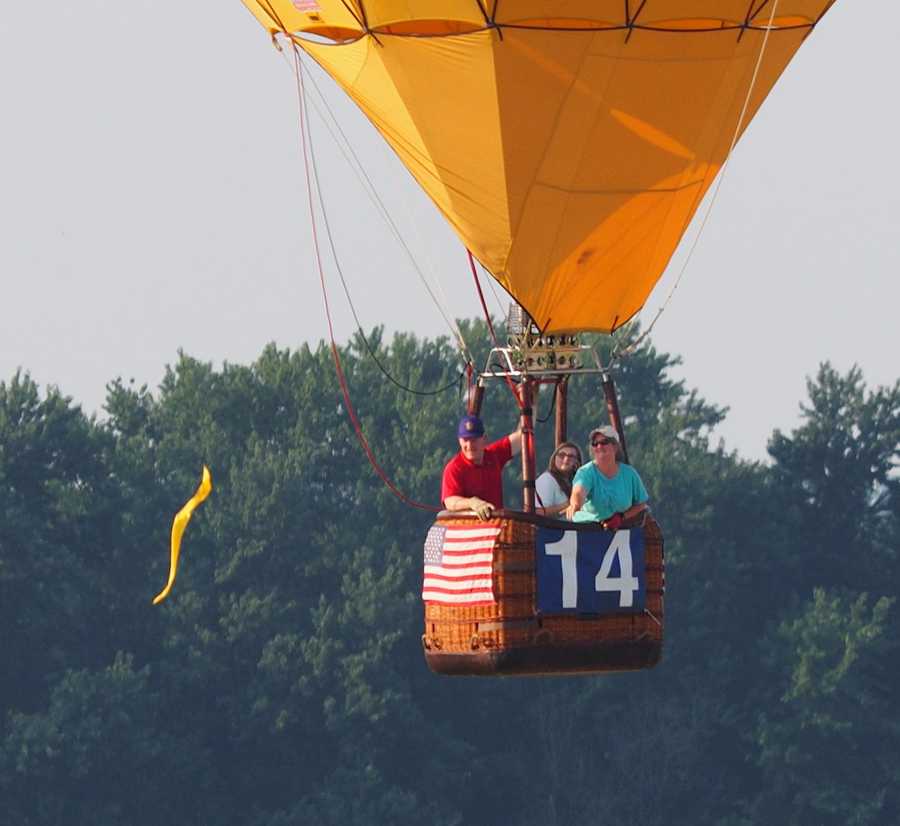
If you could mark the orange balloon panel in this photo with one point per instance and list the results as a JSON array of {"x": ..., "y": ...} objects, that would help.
[{"x": 567, "y": 145}]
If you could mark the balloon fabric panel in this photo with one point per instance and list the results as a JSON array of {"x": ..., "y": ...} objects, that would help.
[{"x": 570, "y": 161}]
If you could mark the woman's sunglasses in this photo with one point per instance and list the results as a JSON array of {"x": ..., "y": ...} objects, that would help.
[{"x": 603, "y": 442}]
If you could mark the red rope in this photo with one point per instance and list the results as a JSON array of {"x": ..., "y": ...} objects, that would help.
[
  {"x": 487, "y": 315},
  {"x": 487, "y": 318},
  {"x": 351, "y": 412}
]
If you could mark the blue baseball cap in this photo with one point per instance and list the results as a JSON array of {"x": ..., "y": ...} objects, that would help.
[{"x": 470, "y": 427}]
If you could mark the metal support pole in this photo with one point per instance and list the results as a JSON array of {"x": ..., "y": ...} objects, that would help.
[
  {"x": 476, "y": 397},
  {"x": 562, "y": 409},
  {"x": 612, "y": 407},
  {"x": 526, "y": 393}
]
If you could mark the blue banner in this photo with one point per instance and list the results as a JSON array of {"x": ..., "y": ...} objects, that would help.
[{"x": 592, "y": 572}]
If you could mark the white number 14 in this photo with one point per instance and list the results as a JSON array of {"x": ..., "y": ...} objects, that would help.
[{"x": 626, "y": 583}]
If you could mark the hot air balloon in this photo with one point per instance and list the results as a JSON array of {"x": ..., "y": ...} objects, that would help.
[{"x": 568, "y": 144}]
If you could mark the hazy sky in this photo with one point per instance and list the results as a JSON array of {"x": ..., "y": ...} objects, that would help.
[{"x": 152, "y": 198}]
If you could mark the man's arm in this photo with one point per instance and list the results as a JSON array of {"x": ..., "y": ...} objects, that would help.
[
  {"x": 452, "y": 489},
  {"x": 482, "y": 509},
  {"x": 515, "y": 441}
]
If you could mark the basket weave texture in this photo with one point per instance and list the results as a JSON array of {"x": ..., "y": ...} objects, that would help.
[{"x": 513, "y": 622}]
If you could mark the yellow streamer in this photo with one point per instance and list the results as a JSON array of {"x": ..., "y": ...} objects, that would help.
[{"x": 179, "y": 524}]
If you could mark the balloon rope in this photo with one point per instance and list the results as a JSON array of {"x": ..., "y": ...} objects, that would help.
[
  {"x": 456, "y": 382},
  {"x": 617, "y": 355},
  {"x": 353, "y": 161},
  {"x": 487, "y": 315},
  {"x": 351, "y": 412},
  {"x": 487, "y": 318},
  {"x": 490, "y": 284}
]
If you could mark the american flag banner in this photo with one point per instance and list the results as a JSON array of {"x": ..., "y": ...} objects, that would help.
[{"x": 458, "y": 564}]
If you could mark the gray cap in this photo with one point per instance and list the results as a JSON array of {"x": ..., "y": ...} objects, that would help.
[{"x": 606, "y": 430}]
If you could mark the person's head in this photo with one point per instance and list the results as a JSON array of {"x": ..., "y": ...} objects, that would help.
[
  {"x": 603, "y": 444},
  {"x": 470, "y": 434},
  {"x": 564, "y": 461}
]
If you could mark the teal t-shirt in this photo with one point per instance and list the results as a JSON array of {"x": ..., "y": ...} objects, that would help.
[{"x": 608, "y": 496}]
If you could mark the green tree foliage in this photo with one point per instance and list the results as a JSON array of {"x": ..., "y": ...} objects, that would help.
[
  {"x": 829, "y": 743},
  {"x": 100, "y": 753},
  {"x": 55, "y": 529},
  {"x": 838, "y": 481},
  {"x": 283, "y": 683}
]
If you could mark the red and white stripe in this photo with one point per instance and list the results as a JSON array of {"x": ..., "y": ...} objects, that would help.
[{"x": 465, "y": 573}]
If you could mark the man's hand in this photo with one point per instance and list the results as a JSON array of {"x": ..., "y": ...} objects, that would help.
[{"x": 483, "y": 510}]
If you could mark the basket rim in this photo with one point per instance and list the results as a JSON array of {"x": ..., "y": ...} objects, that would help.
[{"x": 546, "y": 521}]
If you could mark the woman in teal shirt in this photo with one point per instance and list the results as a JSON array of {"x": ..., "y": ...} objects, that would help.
[{"x": 606, "y": 490}]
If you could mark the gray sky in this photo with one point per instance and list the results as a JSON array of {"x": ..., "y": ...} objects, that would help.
[{"x": 152, "y": 198}]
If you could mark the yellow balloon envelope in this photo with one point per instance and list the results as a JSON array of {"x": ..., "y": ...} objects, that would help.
[{"x": 568, "y": 142}]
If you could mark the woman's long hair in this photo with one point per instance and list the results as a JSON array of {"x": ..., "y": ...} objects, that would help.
[{"x": 564, "y": 482}]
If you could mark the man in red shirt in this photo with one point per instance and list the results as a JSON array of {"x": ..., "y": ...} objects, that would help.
[{"x": 473, "y": 479}]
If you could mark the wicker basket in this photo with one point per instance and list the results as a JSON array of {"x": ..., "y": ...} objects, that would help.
[{"x": 510, "y": 636}]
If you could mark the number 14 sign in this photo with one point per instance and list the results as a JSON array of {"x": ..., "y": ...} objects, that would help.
[{"x": 594, "y": 572}]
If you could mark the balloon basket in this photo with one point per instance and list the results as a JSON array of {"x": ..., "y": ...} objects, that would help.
[{"x": 510, "y": 636}]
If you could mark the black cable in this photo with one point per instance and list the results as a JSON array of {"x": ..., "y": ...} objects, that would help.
[
  {"x": 359, "y": 327},
  {"x": 550, "y": 411},
  {"x": 360, "y": 169}
]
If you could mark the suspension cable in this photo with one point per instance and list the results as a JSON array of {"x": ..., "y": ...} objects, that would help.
[
  {"x": 490, "y": 325},
  {"x": 550, "y": 410},
  {"x": 456, "y": 381},
  {"x": 627, "y": 351},
  {"x": 346, "y": 148},
  {"x": 351, "y": 412},
  {"x": 487, "y": 315},
  {"x": 490, "y": 283}
]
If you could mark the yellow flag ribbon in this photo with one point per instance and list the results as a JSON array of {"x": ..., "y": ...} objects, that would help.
[{"x": 179, "y": 524}]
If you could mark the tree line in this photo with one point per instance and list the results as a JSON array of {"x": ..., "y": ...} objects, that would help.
[{"x": 283, "y": 682}]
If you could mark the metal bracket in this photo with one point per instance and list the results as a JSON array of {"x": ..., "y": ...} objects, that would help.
[
  {"x": 545, "y": 357},
  {"x": 531, "y": 354}
]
